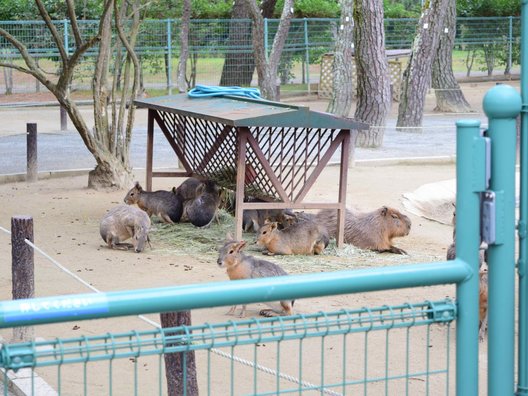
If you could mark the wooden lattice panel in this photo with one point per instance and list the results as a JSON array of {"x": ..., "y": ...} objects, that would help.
[
  {"x": 210, "y": 150},
  {"x": 326, "y": 83}
]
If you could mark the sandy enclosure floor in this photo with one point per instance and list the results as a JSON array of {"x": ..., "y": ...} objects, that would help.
[{"x": 66, "y": 220}]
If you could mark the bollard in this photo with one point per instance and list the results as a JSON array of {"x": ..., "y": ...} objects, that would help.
[
  {"x": 63, "y": 119},
  {"x": 22, "y": 267},
  {"x": 32, "y": 164}
]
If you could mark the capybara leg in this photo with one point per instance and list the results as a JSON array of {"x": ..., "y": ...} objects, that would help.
[
  {"x": 483, "y": 328},
  {"x": 287, "y": 307},
  {"x": 319, "y": 247},
  {"x": 393, "y": 249},
  {"x": 124, "y": 246},
  {"x": 231, "y": 310},
  {"x": 242, "y": 312},
  {"x": 165, "y": 217}
]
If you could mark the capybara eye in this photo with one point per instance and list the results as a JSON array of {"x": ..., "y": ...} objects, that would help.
[
  {"x": 231, "y": 251},
  {"x": 394, "y": 216}
]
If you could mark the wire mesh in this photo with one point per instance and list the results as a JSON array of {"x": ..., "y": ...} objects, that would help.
[
  {"x": 221, "y": 51},
  {"x": 313, "y": 352}
]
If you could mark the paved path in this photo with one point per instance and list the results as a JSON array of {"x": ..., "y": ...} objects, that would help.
[{"x": 65, "y": 150}]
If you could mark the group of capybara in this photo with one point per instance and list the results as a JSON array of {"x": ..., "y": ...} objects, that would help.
[{"x": 278, "y": 231}]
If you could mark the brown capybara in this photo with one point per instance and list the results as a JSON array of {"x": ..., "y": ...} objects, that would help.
[
  {"x": 124, "y": 222},
  {"x": 164, "y": 204},
  {"x": 369, "y": 230},
  {"x": 306, "y": 237},
  {"x": 451, "y": 250},
  {"x": 253, "y": 219},
  {"x": 203, "y": 208},
  {"x": 483, "y": 303},
  {"x": 242, "y": 266}
]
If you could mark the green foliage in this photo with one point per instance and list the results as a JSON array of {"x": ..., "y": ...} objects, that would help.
[
  {"x": 398, "y": 9},
  {"x": 488, "y": 8},
  {"x": 11, "y": 10}
]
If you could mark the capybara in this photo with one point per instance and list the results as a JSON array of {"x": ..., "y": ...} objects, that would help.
[
  {"x": 253, "y": 219},
  {"x": 164, "y": 204},
  {"x": 186, "y": 192},
  {"x": 306, "y": 237},
  {"x": 242, "y": 266},
  {"x": 451, "y": 250},
  {"x": 483, "y": 302},
  {"x": 124, "y": 222},
  {"x": 202, "y": 209},
  {"x": 369, "y": 230}
]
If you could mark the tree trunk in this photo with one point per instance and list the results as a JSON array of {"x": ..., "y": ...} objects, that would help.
[
  {"x": 8, "y": 78},
  {"x": 175, "y": 363},
  {"x": 449, "y": 96},
  {"x": 343, "y": 79},
  {"x": 417, "y": 75},
  {"x": 239, "y": 64},
  {"x": 184, "y": 46},
  {"x": 373, "y": 79},
  {"x": 267, "y": 69}
]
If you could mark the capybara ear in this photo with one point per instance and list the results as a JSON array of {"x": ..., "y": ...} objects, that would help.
[
  {"x": 138, "y": 186},
  {"x": 240, "y": 245},
  {"x": 267, "y": 220},
  {"x": 173, "y": 190},
  {"x": 384, "y": 210},
  {"x": 229, "y": 237},
  {"x": 274, "y": 225}
]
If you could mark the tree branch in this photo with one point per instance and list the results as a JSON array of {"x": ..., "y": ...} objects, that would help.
[
  {"x": 18, "y": 68},
  {"x": 282, "y": 33},
  {"x": 54, "y": 32},
  {"x": 73, "y": 19}
]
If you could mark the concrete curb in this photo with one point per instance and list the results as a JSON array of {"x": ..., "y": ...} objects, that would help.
[{"x": 439, "y": 160}]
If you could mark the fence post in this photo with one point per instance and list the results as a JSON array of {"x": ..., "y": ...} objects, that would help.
[
  {"x": 266, "y": 37},
  {"x": 31, "y": 155},
  {"x": 22, "y": 268},
  {"x": 180, "y": 368},
  {"x": 502, "y": 104},
  {"x": 307, "y": 53},
  {"x": 169, "y": 56},
  {"x": 469, "y": 162},
  {"x": 510, "y": 41}
]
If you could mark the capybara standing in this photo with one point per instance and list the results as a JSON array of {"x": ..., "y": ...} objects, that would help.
[
  {"x": 242, "y": 266},
  {"x": 305, "y": 237},
  {"x": 164, "y": 204},
  {"x": 371, "y": 230},
  {"x": 202, "y": 210},
  {"x": 124, "y": 222}
]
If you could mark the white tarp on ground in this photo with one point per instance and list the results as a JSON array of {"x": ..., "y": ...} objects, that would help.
[{"x": 433, "y": 201}]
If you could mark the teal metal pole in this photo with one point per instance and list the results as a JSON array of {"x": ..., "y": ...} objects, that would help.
[
  {"x": 307, "y": 53},
  {"x": 522, "y": 381},
  {"x": 169, "y": 56},
  {"x": 470, "y": 181},
  {"x": 66, "y": 37},
  {"x": 502, "y": 104},
  {"x": 266, "y": 37},
  {"x": 16, "y": 313}
]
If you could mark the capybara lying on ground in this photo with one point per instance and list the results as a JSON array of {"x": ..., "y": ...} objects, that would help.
[{"x": 124, "y": 222}]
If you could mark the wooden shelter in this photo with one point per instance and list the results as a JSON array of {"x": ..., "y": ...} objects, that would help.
[{"x": 266, "y": 150}]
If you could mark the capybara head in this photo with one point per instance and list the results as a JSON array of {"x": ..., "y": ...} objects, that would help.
[
  {"x": 266, "y": 233},
  {"x": 208, "y": 187},
  {"x": 395, "y": 223},
  {"x": 132, "y": 196},
  {"x": 140, "y": 238},
  {"x": 228, "y": 254}
]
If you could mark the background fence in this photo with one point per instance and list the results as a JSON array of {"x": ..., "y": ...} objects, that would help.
[{"x": 221, "y": 49}]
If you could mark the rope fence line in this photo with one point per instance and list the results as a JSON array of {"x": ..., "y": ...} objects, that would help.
[{"x": 216, "y": 351}]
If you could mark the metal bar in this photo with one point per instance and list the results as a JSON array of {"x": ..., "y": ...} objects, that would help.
[
  {"x": 122, "y": 303},
  {"x": 150, "y": 148},
  {"x": 307, "y": 54},
  {"x": 510, "y": 41},
  {"x": 467, "y": 243},
  {"x": 242, "y": 137},
  {"x": 502, "y": 104},
  {"x": 169, "y": 56},
  {"x": 522, "y": 380}
]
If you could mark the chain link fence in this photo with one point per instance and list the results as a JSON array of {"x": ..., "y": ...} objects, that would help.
[{"x": 221, "y": 51}]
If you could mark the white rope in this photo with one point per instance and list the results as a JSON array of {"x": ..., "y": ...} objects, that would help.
[{"x": 157, "y": 325}]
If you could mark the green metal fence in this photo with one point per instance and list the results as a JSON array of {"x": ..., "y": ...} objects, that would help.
[
  {"x": 218, "y": 47},
  {"x": 276, "y": 355}
]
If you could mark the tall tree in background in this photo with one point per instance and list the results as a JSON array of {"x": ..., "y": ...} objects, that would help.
[
  {"x": 372, "y": 68},
  {"x": 109, "y": 140},
  {"x": 342, "y": 69},
  {"x": 449, "y": 96},
  {"x": 239, "y": 65},
  {"x": 417, "y": 75},
  {"x": 184, "y": 46},
  {"x": 267, "y": 67}
]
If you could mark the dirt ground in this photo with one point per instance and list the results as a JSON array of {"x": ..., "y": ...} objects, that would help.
[{"x": 66, "y": 218}]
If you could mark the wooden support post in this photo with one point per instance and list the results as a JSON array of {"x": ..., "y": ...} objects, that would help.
[
  {"x": 31, "y": 145},
  {"x": 63, "y": 119},
  {"x": 242, "y": 138},
  {"x": 150, "y": 148},
  {"x": 23, "y": 276},
  {"x": 180, "y": 368},
  {"x": 343, "y": 175}
]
